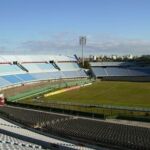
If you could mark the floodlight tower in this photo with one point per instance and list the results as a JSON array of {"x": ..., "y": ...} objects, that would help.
[{"x": 82, "y": 41}]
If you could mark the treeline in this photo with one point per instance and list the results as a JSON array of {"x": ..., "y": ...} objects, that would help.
[{"x": 144, "y": 59}]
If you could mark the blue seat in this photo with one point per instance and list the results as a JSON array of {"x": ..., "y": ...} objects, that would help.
[
  {"x": 56, "y": 75},
  {"x": 121, "y": 71},
  {"x": 99, "y": 71},
  {"x": 74, "y": 74},
  {"x": 40, "y": 76},
  {"x": 68, "y": 66},
  {"x": 44, "y": 66},
  {"x": 25, "y": 77},
  {"x": 117, "y": 71},
  {"x": 139, "y": 71},
  {"x": 12, "y": 79},
  {"x": 4, "y": 82},
  {"x": 7, "y": 68}
]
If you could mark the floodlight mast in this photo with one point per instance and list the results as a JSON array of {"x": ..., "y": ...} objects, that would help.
[{"x": 82, "y": 41}]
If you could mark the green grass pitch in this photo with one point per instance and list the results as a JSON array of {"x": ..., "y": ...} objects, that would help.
[{"x": 135, "y": 94}]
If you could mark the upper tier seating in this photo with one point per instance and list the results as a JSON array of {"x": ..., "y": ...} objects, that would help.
[
  {"x": 46, "y": 67},
  {"x": 39, "y": 67},
  {"x": 68, "y": 66},
  {"x": 9, "y": 69}
]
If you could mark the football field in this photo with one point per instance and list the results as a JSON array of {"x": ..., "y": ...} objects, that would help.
[{"x": 134, "y": 94}]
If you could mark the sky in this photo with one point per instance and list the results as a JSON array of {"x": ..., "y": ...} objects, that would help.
[{"x": 54, "y": 26}]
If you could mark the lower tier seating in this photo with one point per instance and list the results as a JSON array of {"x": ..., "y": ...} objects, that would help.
[
  {"x": 120, "y": 71},
  {"x": 14, "y": 79},
  {"x": 91, "y": 131}
]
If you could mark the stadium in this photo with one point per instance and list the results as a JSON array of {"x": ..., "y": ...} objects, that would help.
[
  {"x": 74, "y": 75},
  {"x": 50, "y": 102}
]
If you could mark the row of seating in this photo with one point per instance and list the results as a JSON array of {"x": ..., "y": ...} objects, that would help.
[
  {"x": 10, "y": 69},
  {"x": 8, "y": 80},
  {"x": 7, "y": 69},
  {"x": 39, "y": 67},
  {"x": 32, "y": 118},
  {"x": 68, "y": 66},
  {"x": 15, "y": 137},
  {"x": 97, "y": 132},
  {"x": 20, "y": 73},
  {"x": 10, "y": 142},
  {"x": 120, "y": 71}
]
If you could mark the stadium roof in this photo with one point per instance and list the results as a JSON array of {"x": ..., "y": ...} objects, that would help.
[{"x": 34, "y": 58}]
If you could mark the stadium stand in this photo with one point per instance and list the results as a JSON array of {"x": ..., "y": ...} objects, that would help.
[
  {"x": 15, "y": 136},
  {"x": 120, "y": 70},
  {"x": 25, "y": 77},
  {"x": 99, "y": 71},
  {"x": 9, "y": 69},
  {"x": 95, "y": 132},
  {"x": 68, "y": 66},
  {"x": 114, "y": 71},
  {"x": 12, "y": 79},
  {"x": 48, "y": 75},
  {"x": 9, "y": 142},
  {"x": 4, "y": 83},
  {"x": 39, "y": 67},
  {"x": 19, "y": 69},
  {"x": 74, "y": 74}
]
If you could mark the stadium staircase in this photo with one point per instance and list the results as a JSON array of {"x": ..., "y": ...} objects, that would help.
[
  {"x": 55, "y": 65},
  {"x": 22, "y": 67},
  {"x": 77, "y": 58}
]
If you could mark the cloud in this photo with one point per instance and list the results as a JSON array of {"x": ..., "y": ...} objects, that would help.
[
  {"x": 68, "y": 44},
  {"x": 120, "y": 46},
  {"x": 62, "y": 43}
]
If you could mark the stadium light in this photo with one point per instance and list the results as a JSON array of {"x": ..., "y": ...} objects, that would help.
[{"x": 82, "y": 41}]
